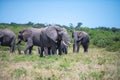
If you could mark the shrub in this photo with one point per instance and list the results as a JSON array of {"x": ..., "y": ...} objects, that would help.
[{"x": 114, "y": 47}]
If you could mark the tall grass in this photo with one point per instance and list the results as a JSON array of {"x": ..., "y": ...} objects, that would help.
[{"x": 97, "y": 64}]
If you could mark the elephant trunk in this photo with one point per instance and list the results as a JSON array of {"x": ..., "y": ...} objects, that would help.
[{"x": 64, "y": 43}]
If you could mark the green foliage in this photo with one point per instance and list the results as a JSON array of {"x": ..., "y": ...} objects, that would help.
[
  {"x": 87, "y": 60},
  {"x": 101, "y": 60},
  {"x": 97, "y": 75},
  {"x": 64, "y": 64},
  {"x": 4, "y": 56},
  {"x": 102, "y": 37},
  {"x": 25, "y": 58},
  {"x": 19, "y": 72},
  {"x": 114, "y": 47}
]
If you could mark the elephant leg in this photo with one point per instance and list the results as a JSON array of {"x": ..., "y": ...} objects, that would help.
[
  {"x": 29, "y": 44},
  {"x": 65, "y": 50},
  {"x": 78, "y": 46},
  {"x": 59, "y": 50},
  {"x": 30, "y": 50},
  {"x": 85, "y": 46},
  {"x": 39, "y": 50},
  {"x": 46, "y": 51},
  {"x": 27, "y": 47},
  {"x": 74, "y": 47},
  {"x": 18, "y": 45},
  {"x": 53, "y": 50},
  {"x": 42, "y": 49},
  {"x": 49, "y": 51},
  {"x": 12, "y": 46}
]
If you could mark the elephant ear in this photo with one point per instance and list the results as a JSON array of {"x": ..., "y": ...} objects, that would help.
[
  {"x": 26, "y": 34},
  {"x": 51, "y": 33},
  {"x": 82, "y": 35}
]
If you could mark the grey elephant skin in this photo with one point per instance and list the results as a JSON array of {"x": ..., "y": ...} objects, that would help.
[
  {"x": 31, "y": 36},
  {"x": 52, "y": 36},
  {"x": 80, "y": 38},
  {"x": 48, "y": 37},
  {"x": 64, "y": 47},
  {"x": 7, "y": 38},
  {"x": 50, "y": 51}
]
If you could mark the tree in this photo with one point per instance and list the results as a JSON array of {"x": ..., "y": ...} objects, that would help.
[
  {"x": 39, "y": 25},
  {"x": 79, "y": 24},
  {"x": 30, "y": 23},
  {"x": 113, "y": 29},
  {"x": 71, "y": 25}
]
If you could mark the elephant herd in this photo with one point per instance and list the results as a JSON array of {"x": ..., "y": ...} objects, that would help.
[{"x": 50, "y": 40}]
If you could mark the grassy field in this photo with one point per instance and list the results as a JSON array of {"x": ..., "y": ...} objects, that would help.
[{"x": 97, "y": 64}]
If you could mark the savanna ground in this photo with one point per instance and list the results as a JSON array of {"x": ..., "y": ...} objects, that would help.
[{"x": 97, "y": 64}]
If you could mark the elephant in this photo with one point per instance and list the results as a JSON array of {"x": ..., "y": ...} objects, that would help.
[
  {"x": 8, "y": 38},
  {"x": 50, "y": 51},
  {"x": 80, "y": 38},
  {"x": 51, "y": 37},
  {"x": 31, "y": 36},
  {"x": 64, "y": 47}
]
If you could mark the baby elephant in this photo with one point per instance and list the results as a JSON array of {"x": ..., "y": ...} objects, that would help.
[
  {"x": 7, "y": 38},
  {"x": 80, "y": 38}
]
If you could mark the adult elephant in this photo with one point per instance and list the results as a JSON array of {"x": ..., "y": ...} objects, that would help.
[
  {"x": 31, "y": 36},
  {"x": 80, "y": 38},
  {"x": 7, "y": 38},
  {"x": 48, "y": 37},
  {"x": 52, "y": 37}
]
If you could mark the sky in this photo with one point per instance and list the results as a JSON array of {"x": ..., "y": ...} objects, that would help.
[{"x": 92, "y": 13}]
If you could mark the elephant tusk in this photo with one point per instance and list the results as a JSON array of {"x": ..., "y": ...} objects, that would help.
[{"x": 65, "y": 43}]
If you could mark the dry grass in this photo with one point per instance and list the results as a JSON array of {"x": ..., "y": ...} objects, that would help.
[{"x": 97, "y": 64}]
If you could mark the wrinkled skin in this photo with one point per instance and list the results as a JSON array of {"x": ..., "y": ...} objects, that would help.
[
  {"x": 45, "y": 38},
  {"x": 31, "y": 36},
  {"x": 52, "y": 36},
  {"x": 80, "y": 38},
  {"x": 7, "y": 38}
]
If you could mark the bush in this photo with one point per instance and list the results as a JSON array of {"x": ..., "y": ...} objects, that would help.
[
  {"x": 114, "y": 47},
  {"x": 102, "y": 39}
]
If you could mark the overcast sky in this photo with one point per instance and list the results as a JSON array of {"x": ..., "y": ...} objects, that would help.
[{"x": 92, "y": 13}]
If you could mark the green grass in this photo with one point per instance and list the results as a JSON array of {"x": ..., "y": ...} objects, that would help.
[
  {"x": 19, "y": 72},
  {"x": 101, "y": 60},
  {"x": 4, "y": 56},
  {"x": 97, "y": 75},
  {"x": 97, "y": 64}
]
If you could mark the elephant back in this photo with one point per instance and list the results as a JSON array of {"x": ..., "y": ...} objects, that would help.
[
  {"x": 25, "y": 34},
  {"x": 8, "y": 32}
]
